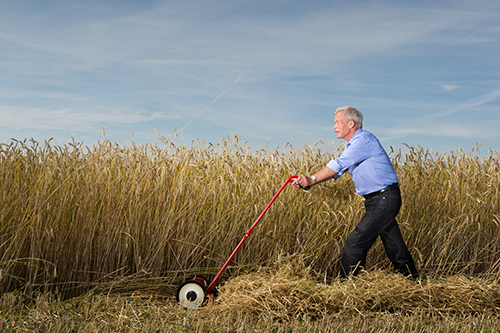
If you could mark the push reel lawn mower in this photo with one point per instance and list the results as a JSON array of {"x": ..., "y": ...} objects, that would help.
[{"x": 195, "y": 291}]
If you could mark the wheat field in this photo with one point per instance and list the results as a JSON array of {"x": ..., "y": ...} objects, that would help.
[{"x": 98, "y": 239}]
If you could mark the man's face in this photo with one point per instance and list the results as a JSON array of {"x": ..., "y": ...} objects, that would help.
[{"x": 342, "y": 127}]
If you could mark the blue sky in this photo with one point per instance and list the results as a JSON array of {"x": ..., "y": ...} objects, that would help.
[{"x": 423, "y": 72}]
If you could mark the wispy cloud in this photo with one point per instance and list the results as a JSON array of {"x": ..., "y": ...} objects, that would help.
[
  {"x": 450, "y": 87},
  {"x": 470, "y": 104},
  {"x": 471, "y": 123},
  {"x": 63, "y": 119}
]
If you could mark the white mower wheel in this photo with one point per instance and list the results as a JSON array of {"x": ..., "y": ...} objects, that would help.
[{"x": 191, "y": 294}]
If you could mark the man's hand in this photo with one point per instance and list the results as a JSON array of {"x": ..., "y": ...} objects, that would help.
[{"x": 303, "y": 182}]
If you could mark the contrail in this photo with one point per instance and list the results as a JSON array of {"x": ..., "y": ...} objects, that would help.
[
  {"x": 211, "y": 103},
  {"x": 241, "y": 75}
]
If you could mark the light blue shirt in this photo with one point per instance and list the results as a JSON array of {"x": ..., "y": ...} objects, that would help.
[{"x": 367, "y": 162}]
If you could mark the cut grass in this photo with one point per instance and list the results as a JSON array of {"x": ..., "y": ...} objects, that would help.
[{"x": 283, "y": 298}]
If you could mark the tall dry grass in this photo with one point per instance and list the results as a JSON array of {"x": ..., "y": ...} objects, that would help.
[{"x": 73, "y": 217}]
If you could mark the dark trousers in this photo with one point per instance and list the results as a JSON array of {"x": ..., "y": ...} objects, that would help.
[{"x": 379, "y": 220}]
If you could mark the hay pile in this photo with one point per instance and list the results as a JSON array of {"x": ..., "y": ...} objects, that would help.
[
  {"x": 292, "y": 291},
  {"x": 287, "y": 297}
]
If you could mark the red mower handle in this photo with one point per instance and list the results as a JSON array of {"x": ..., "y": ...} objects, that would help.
[{"x": 289, "y": 180}]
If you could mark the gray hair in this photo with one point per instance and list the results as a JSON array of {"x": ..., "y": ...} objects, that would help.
[{"x": 351, "y": 114}]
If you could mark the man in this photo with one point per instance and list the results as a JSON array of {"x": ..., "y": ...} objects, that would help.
[{"x": 375, "y": 179}]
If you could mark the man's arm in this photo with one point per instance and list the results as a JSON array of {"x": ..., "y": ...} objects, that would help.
[{"x": 323, "y": 175}]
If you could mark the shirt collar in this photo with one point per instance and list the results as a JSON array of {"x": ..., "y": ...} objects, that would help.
[{"x": 358, "y": 132}]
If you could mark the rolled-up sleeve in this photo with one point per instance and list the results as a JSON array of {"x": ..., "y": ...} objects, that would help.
[{"x": 335, "y": 166}]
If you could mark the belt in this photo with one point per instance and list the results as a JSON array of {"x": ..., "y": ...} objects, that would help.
[{"x": 385, "y": 189}]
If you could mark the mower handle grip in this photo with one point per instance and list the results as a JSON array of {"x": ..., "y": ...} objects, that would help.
[{"x": 291, "y": 178}]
